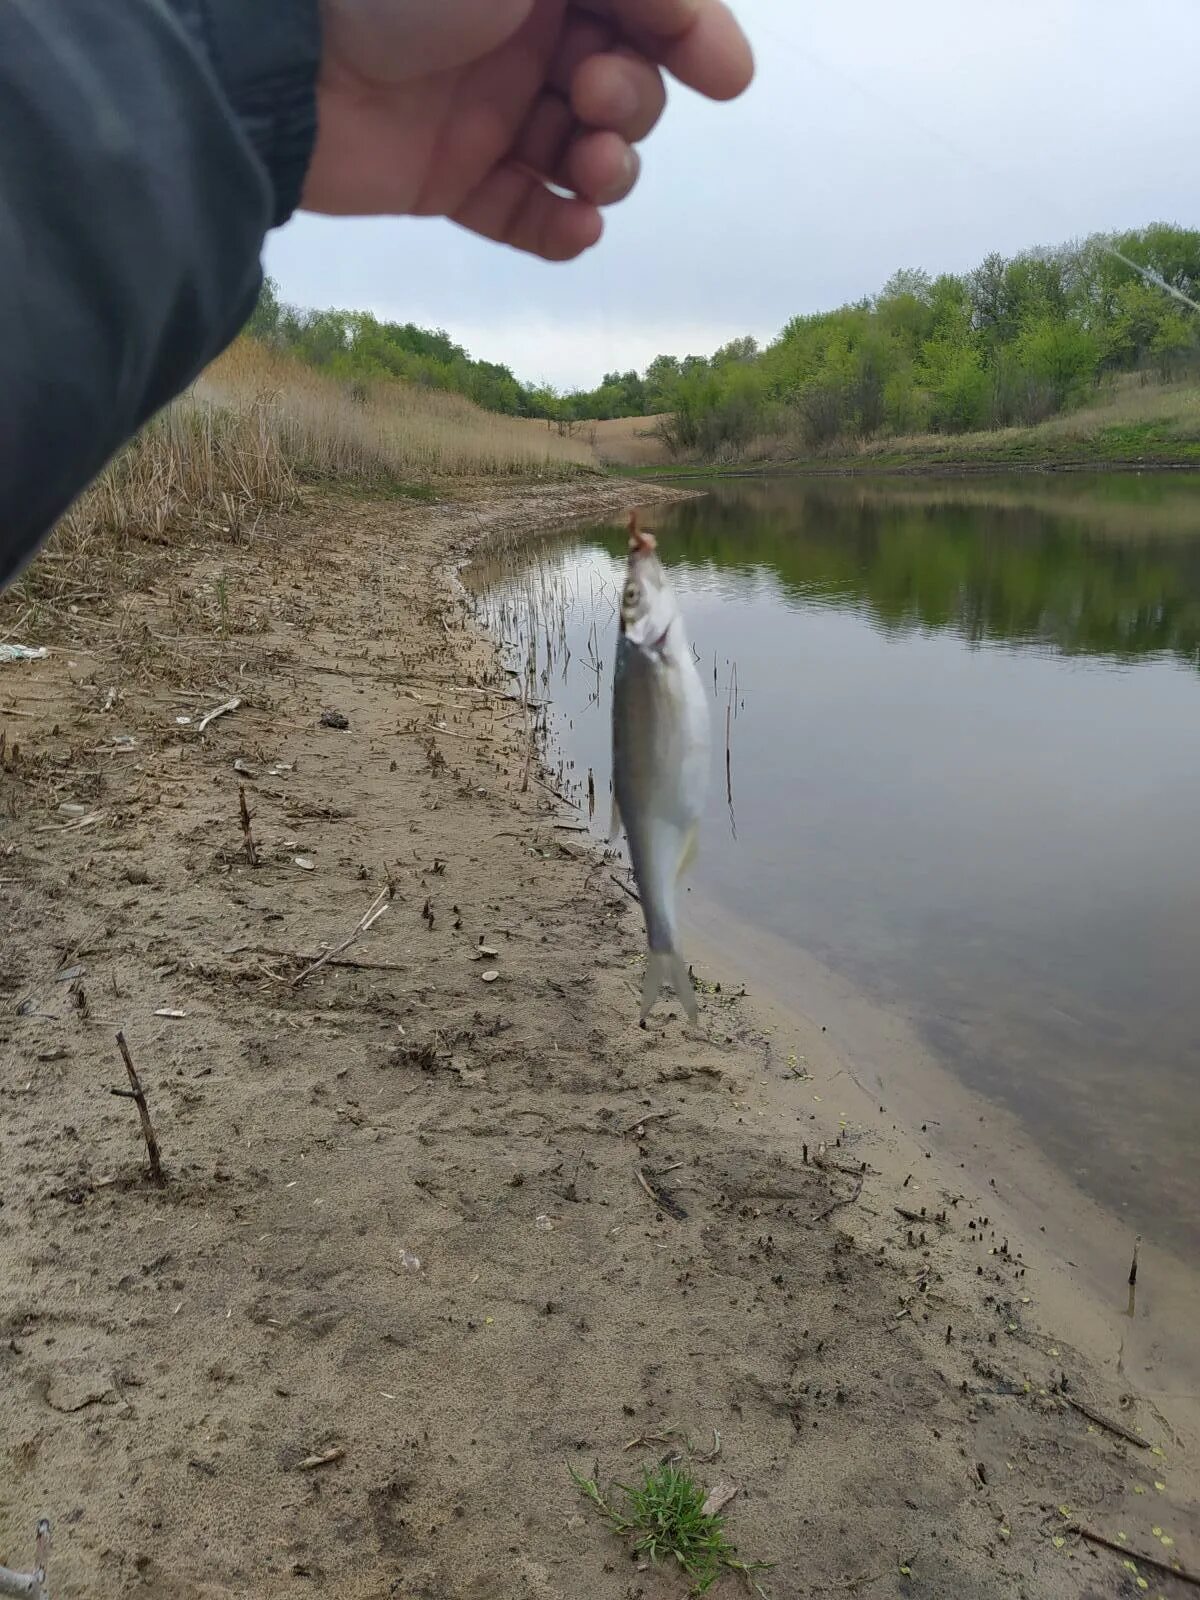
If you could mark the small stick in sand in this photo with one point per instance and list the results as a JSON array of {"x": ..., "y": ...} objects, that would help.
[
  {"x": 30, "y": 1583},
  {"x": 368, "y": 920},
  {"x": 1137, "y": 1245},
  {"x": 664, "y": 1200},
  {"x": 247, "y": 836},
  {"x": 557, "y": 793},
  {"x": 845, "y": 1200},
  {"x": 218, "y": 711},
  {"x": 136, "y": 1094},
  {"x": 651, "y": 1116},
  {"x": 1102, "y": 1421},
  {"x": 1171, "y": 1568}
]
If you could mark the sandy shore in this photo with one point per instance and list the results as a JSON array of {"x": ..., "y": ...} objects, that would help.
[{"x": 877, "y": 1365}]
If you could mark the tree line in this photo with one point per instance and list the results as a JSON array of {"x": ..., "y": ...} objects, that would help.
[{"x": 1017, "y": 340}]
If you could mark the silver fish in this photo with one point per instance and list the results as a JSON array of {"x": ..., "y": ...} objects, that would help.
[{"x": 660, "y": 758}]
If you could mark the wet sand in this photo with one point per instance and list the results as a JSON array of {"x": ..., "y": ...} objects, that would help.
[{"x": 927, "y": 1122}]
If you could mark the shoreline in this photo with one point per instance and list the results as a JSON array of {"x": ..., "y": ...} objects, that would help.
[
  {"x": 1079, "y": 1248},
  {"x": 893, "y": 1418},
  {"x": 905, "y": 469}
]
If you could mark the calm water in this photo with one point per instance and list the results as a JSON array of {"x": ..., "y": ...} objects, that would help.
[{"x": 966, "y": 773}]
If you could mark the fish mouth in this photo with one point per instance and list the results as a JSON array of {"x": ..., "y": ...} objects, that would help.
[{"x": 641, "y": 543}]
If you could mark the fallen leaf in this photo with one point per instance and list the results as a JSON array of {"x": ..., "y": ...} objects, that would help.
[
  {"x": 719, "y": 1495},
  {"x": 325, "y": 1459}
]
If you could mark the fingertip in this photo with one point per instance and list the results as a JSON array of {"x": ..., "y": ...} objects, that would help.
[
  {"x": 580, "y": 229},
  {"x": 601, "y": 168},
  {"x": 714, "y": 56}
]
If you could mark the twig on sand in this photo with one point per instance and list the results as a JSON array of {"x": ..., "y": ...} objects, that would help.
[
  {"x": 628, "y": 888},
  {"x": 557, "y": 793},
  {"x": 826, "y": 1165},
  {"x": 843, "y": 1200},
  {"x": 1101, "y": 1421},
  {"x": 30, "y": 1583},
  {"x": 1159, "y": 1563},
  {"x": 368, "y": 919},
  {"x": 651, "y": 1116},
  {"x": 359, "y": 963},
  {"x": 664, "y": 1200},
  {"x": 137, "y": 1095},
  {"x": 218, "y": 711},
  {"x": 247, "y": 836}
]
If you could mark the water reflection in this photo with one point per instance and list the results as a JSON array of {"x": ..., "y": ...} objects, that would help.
[
  {"x": 1105, "y": 566},
  {"x": 966, "y": 763}
]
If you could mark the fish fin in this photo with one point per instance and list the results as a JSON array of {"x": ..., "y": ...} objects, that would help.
[
  {"x": 668, "y": 967},
  {"x": 614, "y": 827},
  {"x": 691, "y": 846}
]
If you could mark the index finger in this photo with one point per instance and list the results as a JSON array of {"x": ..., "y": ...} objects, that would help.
[{"x": 698, "y": 41}]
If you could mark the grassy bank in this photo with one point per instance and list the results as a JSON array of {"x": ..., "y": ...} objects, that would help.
[{"x": 1136, "y": 426}]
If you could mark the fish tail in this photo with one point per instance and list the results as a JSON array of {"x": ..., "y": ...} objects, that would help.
[{"x": 665, "y": 967}]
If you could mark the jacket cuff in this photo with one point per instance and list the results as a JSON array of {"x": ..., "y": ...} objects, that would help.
[{"x": 266, "y": 57}]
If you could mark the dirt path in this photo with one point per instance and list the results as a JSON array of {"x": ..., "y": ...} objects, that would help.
[{"x": 171, "y": 1361}]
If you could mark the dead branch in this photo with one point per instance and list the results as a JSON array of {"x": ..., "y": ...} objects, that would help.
[
  {"x": 1101, "y": 1421},
  {"x": 136, "y": 1094},
  {"x": 1171, "y": 1568},
  {"x": 557, "y": 793},
  {"x": 30, "y": 1583},
  {"x": 247, "y": 836},
  {"x": 368, "y": 919},
  {"x": 218, "y": 711},
  {"x": 844, "y": 1200},
  {"x": 661, "y": 1197}
]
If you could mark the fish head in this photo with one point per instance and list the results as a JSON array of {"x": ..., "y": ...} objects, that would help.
[{"x": 648, "y": 605}]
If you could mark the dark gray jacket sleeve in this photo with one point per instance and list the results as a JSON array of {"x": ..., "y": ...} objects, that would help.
[{"x": 146, "y": 147}]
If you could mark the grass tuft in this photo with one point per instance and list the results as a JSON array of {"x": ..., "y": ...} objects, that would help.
[{"x": 665, "y": 1518}]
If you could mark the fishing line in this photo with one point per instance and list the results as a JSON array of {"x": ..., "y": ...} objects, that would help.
[{"x": 970, "y": 159}]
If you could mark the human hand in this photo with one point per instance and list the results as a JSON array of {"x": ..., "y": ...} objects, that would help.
[{"x": 472, "y": 109}]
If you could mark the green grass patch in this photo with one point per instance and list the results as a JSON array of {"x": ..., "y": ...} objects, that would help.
[{"x": 664, "y": 1518}]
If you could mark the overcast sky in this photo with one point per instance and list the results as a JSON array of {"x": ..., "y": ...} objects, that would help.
[{"x": 876, "y": 136}]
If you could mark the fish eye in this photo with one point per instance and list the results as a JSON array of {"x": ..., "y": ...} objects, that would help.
[{"x": 631, "y": 594}]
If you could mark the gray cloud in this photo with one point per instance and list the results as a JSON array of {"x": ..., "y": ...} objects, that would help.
[{"x": 875, "y": 137}]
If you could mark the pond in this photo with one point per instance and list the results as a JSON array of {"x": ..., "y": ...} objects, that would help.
[{"x": 963, "y": 727}]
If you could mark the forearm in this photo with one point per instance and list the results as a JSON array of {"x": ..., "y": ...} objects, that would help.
[{"x": 145, "y": 149}]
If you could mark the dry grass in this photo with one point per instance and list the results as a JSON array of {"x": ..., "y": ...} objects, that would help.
[
  {"x": 627, "y": 442},
  {"x": 256, "y": 426},
  {"x": 257, "y": 423},
  {"x": 382, "y": 431}
]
